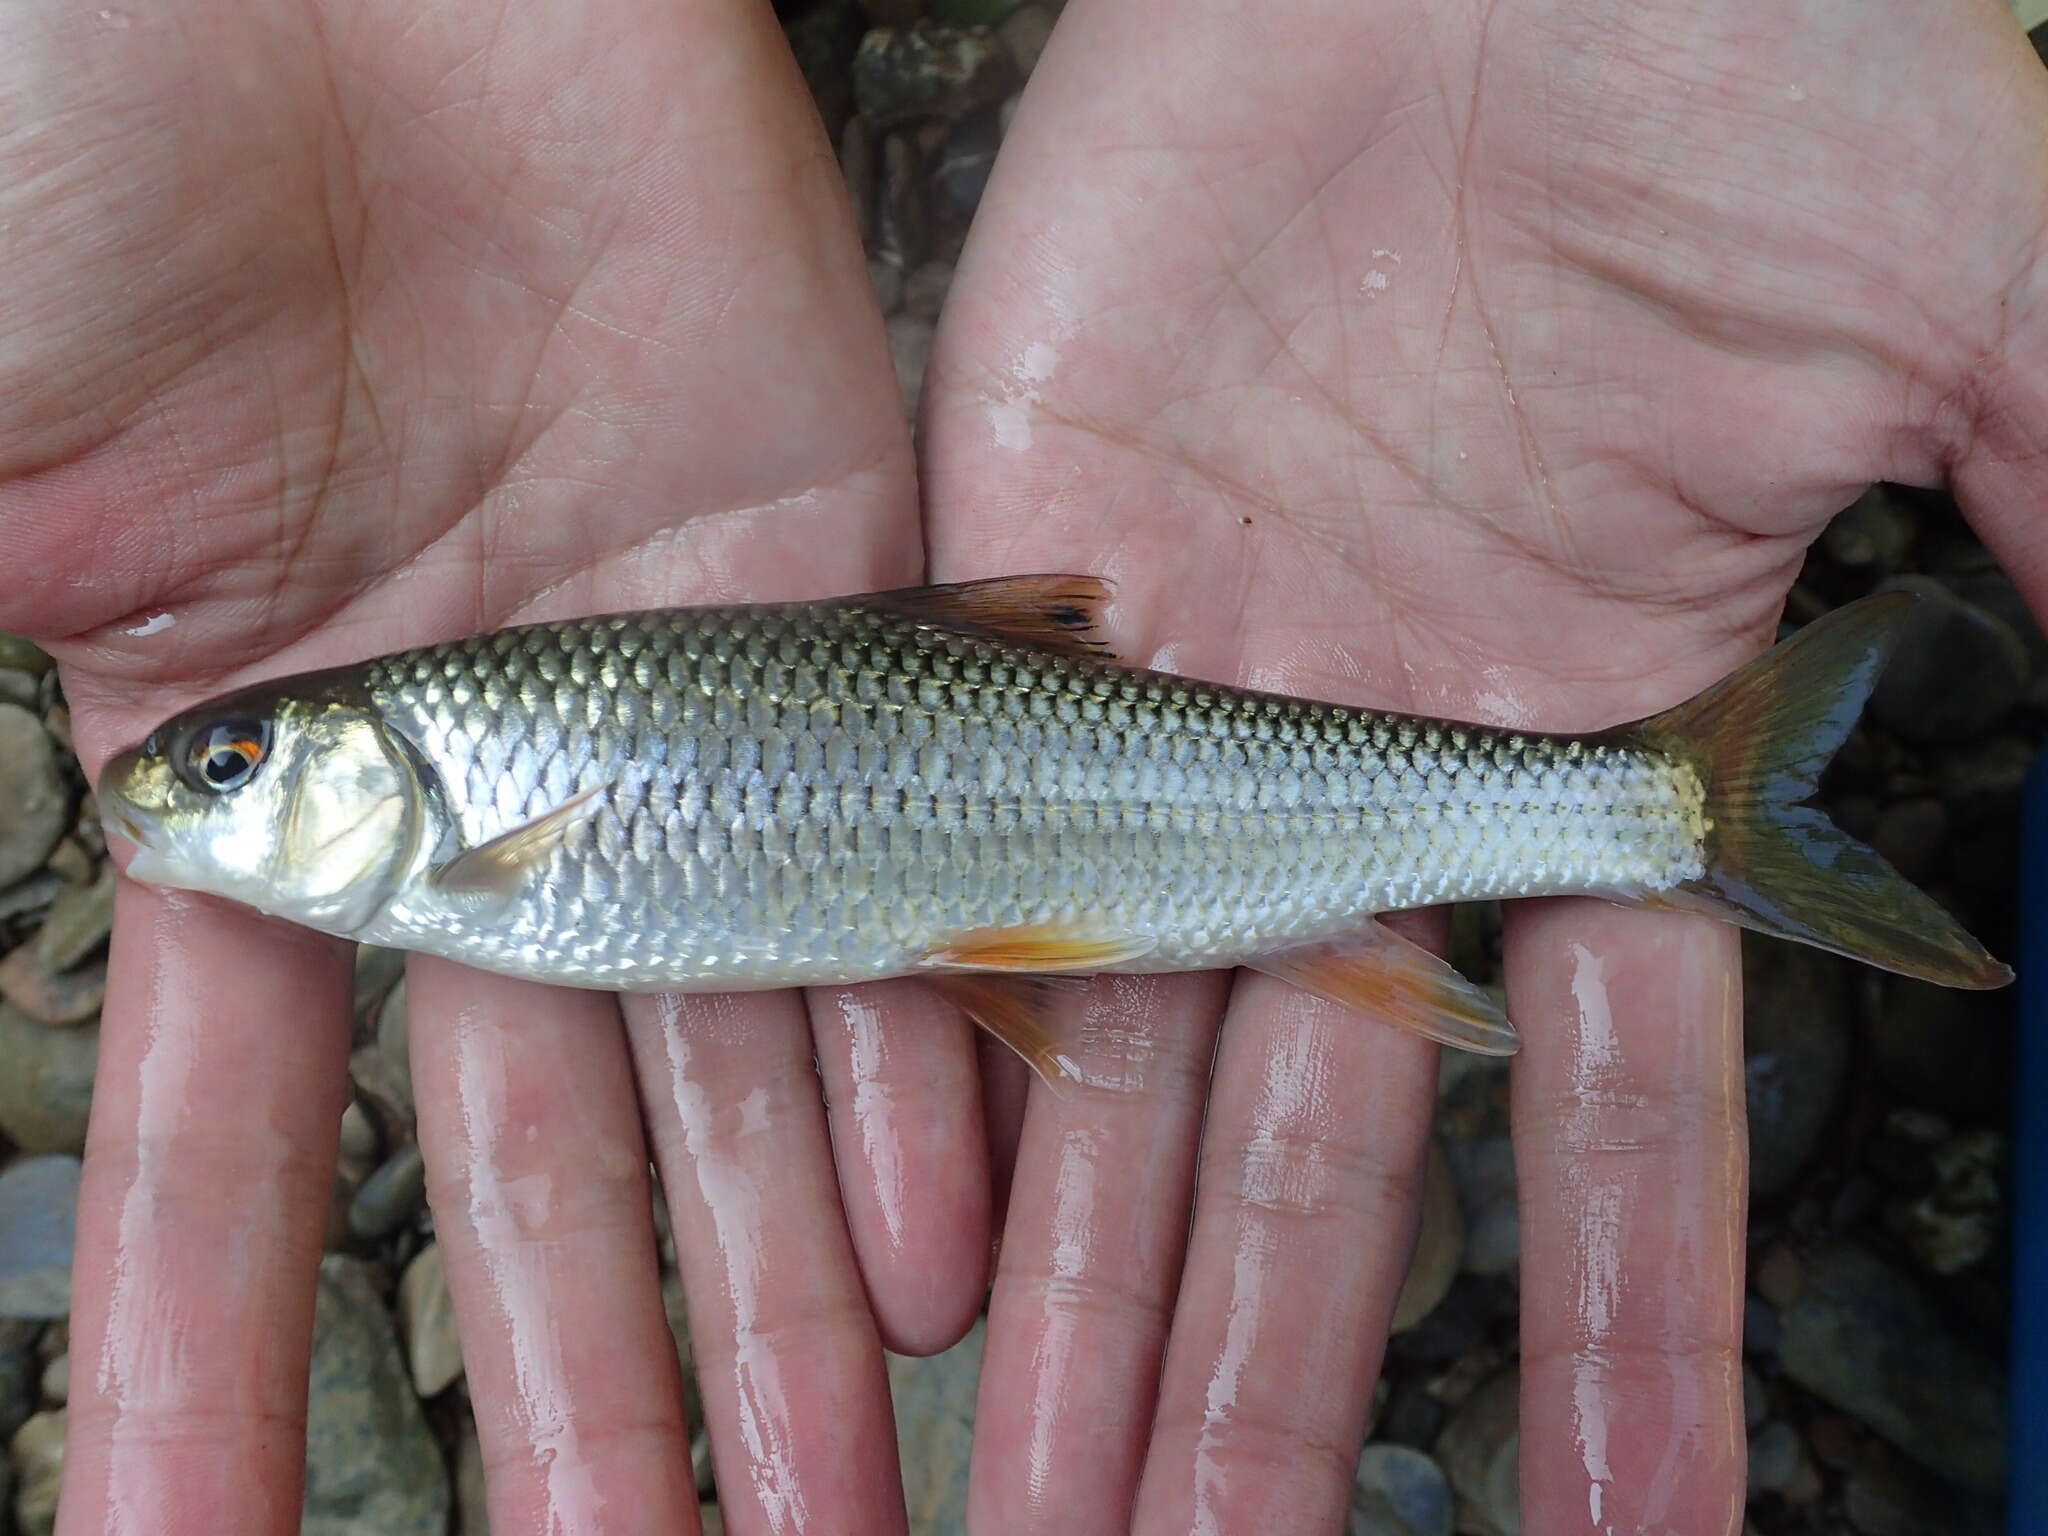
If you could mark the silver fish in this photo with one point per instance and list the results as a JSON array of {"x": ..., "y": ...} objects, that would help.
[{"x": 956, "y": 782}]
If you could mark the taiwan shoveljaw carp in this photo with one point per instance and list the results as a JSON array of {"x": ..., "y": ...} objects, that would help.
[{"x": 957, "y": 782}]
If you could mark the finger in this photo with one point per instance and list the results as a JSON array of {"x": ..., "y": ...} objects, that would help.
[
  {"x": 1091, "y": 1255},
  {"x": 216, "y": 1111},
  {"x": 905, "y": 1115},
  {"x": 1311, "y": 1177},
  {"x": 787, "y": 1356},
  {"x": 1630, "y": 1157},
  {"x": 537, "y": 1173}
]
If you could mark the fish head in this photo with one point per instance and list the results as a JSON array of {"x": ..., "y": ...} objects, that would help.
[{"x": 299, "y": 802}]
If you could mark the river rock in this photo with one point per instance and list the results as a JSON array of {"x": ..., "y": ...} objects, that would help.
[
  {"x": 390, "y": 1196},
  {"x": 901, "y": 73},
  {"x": 1957, "y": 672},
  {"x": 934, "y": 1401},
  {"x": 1439, "y": 1245},
  {"x": 1861, "y": 1335},
  {"x": 78, "y": 923},
  {"x": 1472, "y": 1113},
  {"x": 37, "y": 1455},
  {"x": 34, "y": 811},
  {"x": 1399, "y": 1492},
  {"x": 1796, "y": 1037},
  {"x": 38, "y": 1223},
  {"x": 1956, "y": 1223},
  {"x": 1875, "y": 530},
  {"x": 1478, "y": 1450},
  {"x": 426, "y": 1318},
  {"x": 371, "y": 1461},
  {"x": 48, "y": 995}
]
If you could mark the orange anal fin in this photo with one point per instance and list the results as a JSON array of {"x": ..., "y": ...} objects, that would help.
[
  {"x": 1051, "y": 613},
  {"x": 1386, "y": 977},
  {"x": 1051, "y": 947},
  {"x": 1020, "y": 1011}
]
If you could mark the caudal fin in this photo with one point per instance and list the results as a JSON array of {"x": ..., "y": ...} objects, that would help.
[{"x": 1760, "y": 739}]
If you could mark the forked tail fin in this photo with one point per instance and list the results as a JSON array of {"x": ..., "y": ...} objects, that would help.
[{"x": 1760, "y": 738}]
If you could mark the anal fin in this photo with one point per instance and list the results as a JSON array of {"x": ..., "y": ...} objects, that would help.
[{"x": 1378, "y": 973}]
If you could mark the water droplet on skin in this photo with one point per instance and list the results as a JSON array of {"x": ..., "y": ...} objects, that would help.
[{"x": 118, "y": 20}]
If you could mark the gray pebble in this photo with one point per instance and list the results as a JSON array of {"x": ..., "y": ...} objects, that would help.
[
  {"x": 1025, "y": 32},
  {"x": 1399, "y": 1492},
  {"x": 1796, "y": 1038},
  {"x": 22, "y": 654},
  {"x": 371, "y": 1461},
  {"x": 1478, "y": 1451},
  {"x": 46, "y": 1086},
  {"x": 1955, "y": 1224},
  {"x": 390, "y": 1196},
  {"x": 1473, "y": 1115},
  {"x": 37, "y": 1455},
  {"x": 1861, "y": 1335},
  {"x": 1957, "y": 670},
  {"x": 56, "y": 1381},
  {"x": 48, "y": 995},
  {"x": 1775, "y": 1457},
  {"x": 78, "y": 923},
  {"x": 21, "y": 689},
  {"x": 35, "y": 809},
  {"x": 38, "y": 1225},
  {"x": 934, "y": 1400}
]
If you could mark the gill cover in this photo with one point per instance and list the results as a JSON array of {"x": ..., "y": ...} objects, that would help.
[{"x": 351, "y": 823}]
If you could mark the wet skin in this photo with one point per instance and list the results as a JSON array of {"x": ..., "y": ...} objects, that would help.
[{"x": 333, "y": 330}]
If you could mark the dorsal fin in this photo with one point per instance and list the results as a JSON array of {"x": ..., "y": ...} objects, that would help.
[{"x": 1049, "y": 612}]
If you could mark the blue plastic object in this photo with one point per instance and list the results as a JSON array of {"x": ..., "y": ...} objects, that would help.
[{"x": 2027, "y": 1456}]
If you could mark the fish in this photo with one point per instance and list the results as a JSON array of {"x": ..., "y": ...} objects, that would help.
[{"x": 963, "y": 783}]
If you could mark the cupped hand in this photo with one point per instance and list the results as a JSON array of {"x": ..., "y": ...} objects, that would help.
[
  {"x": 336, "y": 328},
  {"x": 1490, "y": 361}
]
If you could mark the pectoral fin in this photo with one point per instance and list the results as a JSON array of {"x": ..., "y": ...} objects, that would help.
[
  {"x": 1020, "y": 1011},
  {"x": 1386, "y": 977},
  {"x": 499, "y": 869}
]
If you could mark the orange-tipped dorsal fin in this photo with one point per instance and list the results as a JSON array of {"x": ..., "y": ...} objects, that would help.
[
  {"x": 1054, "y": 613},
  {"x": 1378, "y": 973}
]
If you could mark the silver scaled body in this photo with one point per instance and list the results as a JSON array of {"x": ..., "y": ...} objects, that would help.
[{"x": 820, "y": 793}]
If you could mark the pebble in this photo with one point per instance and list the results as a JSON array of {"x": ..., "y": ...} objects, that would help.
[
  {"x": 1756, "y": 1403},
  {"x": 1399, "y": 1492},
  {"x": 371, "y": 1461},
  {"x": 19, "y": 1369},
  {"x": 1413, "y": 1416},
  {"x": 1862, "y": 1336},
  {"x": 426, "y": 1319},
  {"x": 391, "y": 1195},
  {"x": 56, "y": 1382},
  {"x": 357, "y": 1142},
  {"x": 37, "y": 1455},
  {"x": 1775, "y": 1457},
  {"x": 1796, "y": 1039},
  {"x": 924, "y": 291},
  {"x": 472, "y": 1501},
  {"x": 1025, "y": 32},
  {"x": 910, "y": 348},
  {"x": 1876, "y": 529},
  {"x": 26, "y": 898},
  {"x": 78, "y": 923},
  {"x": 46, "y": 1089},
  {"x": 928, "y": 70},
  {"x": 48, "y": 995},
  {"x": 934, "y": 1401},
  {"x": 1473, "y": 1114},
  {"x": 1887, "y": 1496},
  {"x": 19, "y": 688},
  {"x": 1955, "y": 1224},
  {"x": 34, "y": 808},
  {"x": 1780, "y": 1277},
  {"x": 1942, "y": 1048},
  {"x": 1439, "y": 1246},
  {"x": 23, "y": 654},
  {"x": 960, "y": 173},
  {"x": 902, "y": 221},
  {"x": 712, "y": 1519},
  {"x": 1477, "y": 1451},
  {"x": 885, "y": 279},
  {"x": 1957, "y": 672},
  {"x": 38, "y": 1226},
  {"x": 1760, "y": 1329}
]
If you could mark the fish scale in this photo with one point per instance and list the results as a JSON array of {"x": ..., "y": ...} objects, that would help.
[{"x": 828, "y": 791}]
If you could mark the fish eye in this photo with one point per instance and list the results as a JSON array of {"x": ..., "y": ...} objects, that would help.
[{"x": 224, "y": 755}]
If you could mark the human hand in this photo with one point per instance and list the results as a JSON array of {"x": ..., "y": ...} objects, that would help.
[
  {"x": 1496, "y": 362},
  {"x": 332, "y": 329}
]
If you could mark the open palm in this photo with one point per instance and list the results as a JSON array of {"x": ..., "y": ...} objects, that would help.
[
  {"x": 1487, "y": 361},
  {"x": 333, "y": 329}
]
